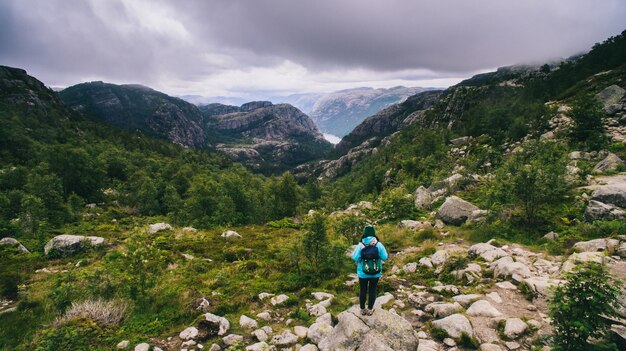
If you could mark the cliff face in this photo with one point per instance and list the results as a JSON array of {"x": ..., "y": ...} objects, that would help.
[
  {"x": 135, "y": 107},
  {"x": 264, "y": 136}
]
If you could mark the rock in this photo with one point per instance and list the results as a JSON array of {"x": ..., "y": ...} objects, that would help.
[
  {"x": 455, "y": 326},
  {"x": 621, "y": 250},
  {"x": 551, "y": 236},
  {"x": 142, "y": 347},
  {"x": 264, "y": 295},
  {"x": 189, "y": 230},
  {"x": 216, "y": 322},
  {"x": 619, "y": 335},
  {"x": 285, "y": 338},
  {"x": 428, "y": 345},
  {"x": 382, "y": 331},
  {"x": 319, "y": 296},
  {"x": 495, "y": 297},
  {"x": 456, "y": 211},
  {"x": 309, "y": 347},
  {"x": 611, "y": 194},
  {"x": 247, "y": 322},
  {"x": 451, "y": 289},
  {"x": 597, "y": 210},
  {"x": 232, "y": 339},
  {"x": 157, "y": 227},
  {"x": 123, "y": 344},
  {"x": 506, "y": 267},
  {"x": 582, "y": 257},
  {"x": 327, "y": 318},
  {"x": 541, "y": 285},
  {"x": 423, "y": 198},
  {"x": 426, "y": 262},
  {"x": 611, "y": 95},
  {"x": 318, "y": 331},
  {"x": 317, "y": 310},
  {"x": 410, "y": 267},
  {"x": 438, "y": 258},
  {"x": 300, "y": 331},
  {"x": 68, "y": 244},
  {"x": 189, "y": 333},
  {"x": 490, "y": 347},
  {"x": 611, "y": 163},
  {"x": 512, "y": 345},
  {"x": 461, "y": 140},
  {"x": 415, "y": 225},
  {"x": 609, "y": 245},
  {"x": 506, "y": 286},
  {"x": 259, "y": 346},
  {"x": 514, "y": 328},
  {"x": 215, "y": 347},
  {"x": 466, "y": 299},
  {"x": 280, "y": 299},
  {"x": 383, "y": 300},
  {"x": 482, "y": 308},
  {"x": 230, "y": 234},
  {"x": 487, "y": 251},
  {"x": 14, "y": 243},
  {"x": 443, "y": 309},
  {"x": 260, "y": 335},
  {"x": 265, "y": 316}
]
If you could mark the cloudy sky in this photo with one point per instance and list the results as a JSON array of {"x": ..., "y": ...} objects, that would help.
[{"x": 258, "y": 48}]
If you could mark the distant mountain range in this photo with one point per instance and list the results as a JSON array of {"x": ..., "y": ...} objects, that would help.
[
  {"x": 335, "y": 113},
  {"x": 266, "y": 137}
]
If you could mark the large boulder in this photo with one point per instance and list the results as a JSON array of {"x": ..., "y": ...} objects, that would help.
[
  {"x": 611, "y": 194},
  {"x": 610, "y": 163},
  {"x": 381, "y": 331},
  {"x": 457, "y": 211},
  {"x": 597, "y": 210},
  {"x": 487, "y": 251},
  {"x": 14, "y": 243},
  {"x": 610, "y": 96},
  {"x": 214, "y": 325},
  {"x": 482, "y": 308},
  {"x": 66, "y": 244},
  {"x": 455, "y": 325},
  {"x": 423, "y": 198},
  {"x": 505, "y": 267},
  {"x": 514, "y": 328},
  {"x": 597, "y": 245},
  {"x": 157, "y": 227},
  {"x": 230, "y": 234},
  {"x": 443, "y": 309}
]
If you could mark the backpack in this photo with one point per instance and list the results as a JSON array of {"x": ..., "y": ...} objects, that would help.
[{"x": 371, "y": 260}]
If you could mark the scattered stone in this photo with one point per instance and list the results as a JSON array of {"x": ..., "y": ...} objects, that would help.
[
  {"x": 230, "y": 234},
  {"x": 582, "y": 257},
  {"x": 611, "y": 163},
  {"x": 265, "y": 316},
  {"x": 317, "y": 310},
  {"x": 514, "y": 328},
  {"x": 259, "y": 346},
  {"x": 189, "y": 333},
  {"x": 300, "y": 331},
  {"x": 280, "y": 299},
  {"x": 611, "y": 194},
  {"x": 495, "y": 297},
  {"x": 309, "y": 347},
  {"x": 597, "y": 210},
  {"x": 415, "y": 225},
  {"x": 487, "y": 251},
  {"x": 451, "y": 289},
  {"x": 456, "y": 211},
  {"x": 247, "y": 322},
  {"x": 443, "y": 309},
  {"x": 190, "y": 230},
  {"x": 285, "y": 338},
  {"x": 123, "y": 344},
  {"x": 490, "y": 347},
  {"x": 204, "y": 305},
  {"x": 260, "y": 335},
  {"x": 438, "y": 258},
  {"x": 426, "y": 262},
  {"x": 506, "y": 267},
  {"x": 512, "y": 345},
  {"x": 383, "y": 300},
  {"x": 506, "y": 286},
  {"x": 410, "y": 267},
  {"x": 215, "y": 347},
  {"x": 596, "y": 245},
  {"x": 466, "y": 299},
  {"x": 142, "y": 347},
  {"x": 220, "y": 323},
  {"x": 14, "y": 243},
  {"x": 423, "y": 198},
  {"x": 232, "y": 339},
  {"x": 69, "y": 244},
  {"x": 428, "y": 345},
  {"x": 380, "y": 331},
  {"x": 319, "y": 296},
  {"x": 482, "y": 308},
  {"x": 455, "y": 325},
  {"x": 449, "y": 342},
  {"x": 157, "y": 227},
  {"x": 318, "y": 331}
]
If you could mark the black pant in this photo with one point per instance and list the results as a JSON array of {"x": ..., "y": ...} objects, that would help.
[{"x": 367, "y": 289}]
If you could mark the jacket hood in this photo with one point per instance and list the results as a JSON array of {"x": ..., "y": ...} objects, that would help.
[{"x": 368, "y": 240}]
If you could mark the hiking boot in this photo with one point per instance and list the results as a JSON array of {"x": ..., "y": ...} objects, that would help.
[
  {"x": 370, "y": 312},
  {"x": 364, "y": 312}
]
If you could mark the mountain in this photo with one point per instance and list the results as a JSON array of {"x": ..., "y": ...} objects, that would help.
[
  {"x": 304, "y": 101},
  {"x": 265, "y": 136},
  {"x": 339, "y": 112},
  {"x": 135, "y": 107}
]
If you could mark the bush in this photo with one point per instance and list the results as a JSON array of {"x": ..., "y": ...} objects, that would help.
[
  {"x": 396, "y": 203},
  {"x": 102, "y": 312},
  {"x": 578, "y": 306},
  {"x": 350, "y": 227}
]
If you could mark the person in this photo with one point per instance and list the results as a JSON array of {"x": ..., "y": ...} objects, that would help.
[{"x": 368, "y": 282}]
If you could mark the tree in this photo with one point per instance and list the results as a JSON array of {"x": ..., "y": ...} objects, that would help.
[
  {"x": 579, "y": 306},
  {"x": 588, "y": 129},
  {"x": 285, "y": 194},
  {"x": 315, "y": 242},
  {"x": 532, "y": 180}
]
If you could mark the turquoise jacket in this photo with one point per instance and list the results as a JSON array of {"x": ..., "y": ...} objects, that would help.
[{"x": 356, "y": 256}]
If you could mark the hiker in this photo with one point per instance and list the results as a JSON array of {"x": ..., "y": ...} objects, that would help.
[{"x": 368, "y": 255}]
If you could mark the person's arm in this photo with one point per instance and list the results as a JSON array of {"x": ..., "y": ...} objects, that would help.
[
  {"x": 382, "y": 252},
  {"x": 356, "y": 254}
]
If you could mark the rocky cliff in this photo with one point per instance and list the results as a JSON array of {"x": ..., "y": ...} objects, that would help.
[
  {"x": 265, "y": 136},
  {"x": 138, "y": 108}
]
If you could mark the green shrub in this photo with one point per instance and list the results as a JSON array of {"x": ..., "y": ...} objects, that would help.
[
  {"x": 468, "y": 342},
  {"x": 578, "y": 306},
  {"x": 350, "y": 227},
  {"x": 395, "y": 203}
]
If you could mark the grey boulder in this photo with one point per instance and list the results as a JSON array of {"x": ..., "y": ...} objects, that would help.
[
  {"x": 456, "y": 211},
  {"x": 14, "y": 243},
  {"x": 69, "y": 244}
]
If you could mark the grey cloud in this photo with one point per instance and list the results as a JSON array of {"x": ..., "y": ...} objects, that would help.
[{"x": 68, "y": 41}]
